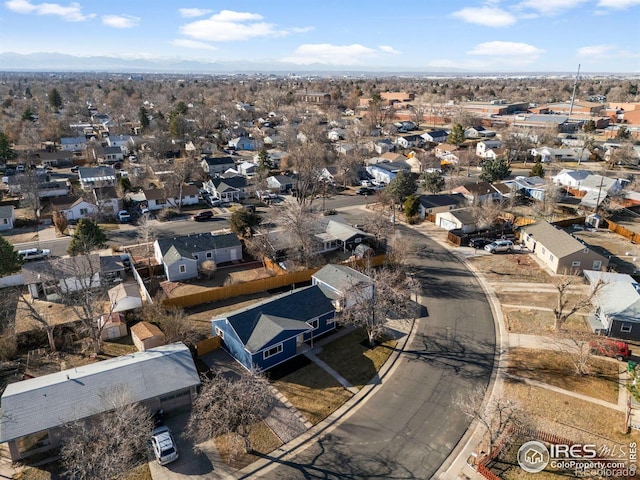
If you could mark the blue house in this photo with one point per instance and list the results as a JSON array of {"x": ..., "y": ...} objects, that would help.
[{"x": 265, "y": 335}]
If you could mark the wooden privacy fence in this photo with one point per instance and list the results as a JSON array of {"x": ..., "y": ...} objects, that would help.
[
  {"x": 625, "y": 232},
  {"x": 207, "y": 345},
  {"x": 255, "y": 286}
]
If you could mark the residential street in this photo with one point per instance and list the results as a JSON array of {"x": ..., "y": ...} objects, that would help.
[{"x": 409, "y": 425}]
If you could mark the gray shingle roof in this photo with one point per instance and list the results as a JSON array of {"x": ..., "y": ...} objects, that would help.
[
  {"x": 186, "y": 245},
  {"x": 59, "y": 398},
  {"x": 557, "y": 241},
  {"x": 6, "y": 211},
  {"x": 431, "y": 201},
  {"x": 619, "y": 297},
  {"x": 283, "y": 317},
  {"x": 341, "y": 277}
]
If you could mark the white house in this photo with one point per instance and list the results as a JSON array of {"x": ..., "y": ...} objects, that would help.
[
  {"x": 7, "y": 216},
  {"x": 384, "y": 172},
  {"x": 483, "y": 147},
  {"x": 73, "y": 144},
  {"x": 48, "y": 279},
  {"x": 343, "y": 285},
  {"x": 157, "y": 199},
  {"x": 460, "y": 218},
  {"x": 435, "y": 136},
  {"x": 570, "y": 178},
  {"x": 96, "y": 176},
  {"x": 74, "y": 208}
]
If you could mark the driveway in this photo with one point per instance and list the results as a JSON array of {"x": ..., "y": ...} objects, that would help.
[{"x": 410, "y": 424}]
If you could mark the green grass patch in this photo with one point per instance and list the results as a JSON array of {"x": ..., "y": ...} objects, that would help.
[
  {"x": 314, "y": 392},
  {"x": 352, "y": 358}
]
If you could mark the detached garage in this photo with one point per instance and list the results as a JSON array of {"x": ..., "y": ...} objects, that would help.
[{"x": 459, "y": 219}]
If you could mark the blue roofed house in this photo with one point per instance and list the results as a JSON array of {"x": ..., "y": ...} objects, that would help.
[
  {"x": 73, "y": 144},
  {"x": 272, "y": 332},
  {"x": 35, "y": 411},
  {"x": 183, "y": 256}
]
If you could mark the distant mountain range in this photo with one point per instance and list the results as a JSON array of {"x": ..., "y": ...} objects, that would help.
[{"x": 58, "y": 62}]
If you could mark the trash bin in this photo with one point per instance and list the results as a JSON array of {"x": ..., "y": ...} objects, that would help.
[{"x": 631, "y": 365}]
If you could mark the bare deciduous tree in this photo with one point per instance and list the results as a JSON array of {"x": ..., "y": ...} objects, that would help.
[
  {"x": 109, "y": 444},
  {"x": 145, "y": 231},
  {"x": 229, "y": 405},
  {"x": 173, "y": 322},
  {"x": 565, "y": 305},
  {"x": 60, "y": 221},
  {"x": 371, "y": 308},
  {"x": 495, "y": 416},
  {"x": 302, "y": 223}
]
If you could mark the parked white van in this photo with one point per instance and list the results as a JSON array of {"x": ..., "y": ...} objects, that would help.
[{"x": 34, "y": 253}]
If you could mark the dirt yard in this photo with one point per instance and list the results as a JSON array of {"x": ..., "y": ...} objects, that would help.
[
  {"x": 624, "y": 255},
  {"x": 513, "y": 267}
]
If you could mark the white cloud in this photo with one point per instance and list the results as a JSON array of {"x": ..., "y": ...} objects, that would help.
[
  {"x": 388, "y": 49},
  {"x": 120, "y": 21},
  {"x": 228, "y": 26},
  {"x": 193, "y": 12},
  {"x": 334, "y": 54},
  {"x": 550, "y": 7},
  {"x": 183, "y": 42},
  {"x": 488, "y": 16},
  {"x": 595, "y": 50},
  {"x": 618, "y": 4},
  {"x": 505, "y": 49},
  {"x": 70, "y": 13}
]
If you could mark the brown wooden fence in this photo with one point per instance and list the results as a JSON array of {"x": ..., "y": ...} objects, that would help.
[
  {"x": 208, "y": 345},
  {"x": 625, "y": 232},
  {"x": 256, "y": 286}
]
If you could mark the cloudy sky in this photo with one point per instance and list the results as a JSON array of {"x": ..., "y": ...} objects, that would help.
[{"x": 477, "y": 35}]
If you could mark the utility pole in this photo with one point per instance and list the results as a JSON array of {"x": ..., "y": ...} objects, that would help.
[{"x": 573, "y": 95}]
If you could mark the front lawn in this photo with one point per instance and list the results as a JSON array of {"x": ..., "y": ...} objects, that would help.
[
  {"x": 351, "y": 356},
  {"x": 314, "y": 392},
  {"x": 557, "y": 369}
]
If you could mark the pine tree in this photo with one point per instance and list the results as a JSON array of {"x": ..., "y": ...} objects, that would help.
[
  {"x": 143, "y": 116},
  {"x": 6, "y": 152},
  {"x": 55, "y": 99},
  {"x": 537, "y": 170},
  {"x": 456, "y": 136},
  {"x": 494, "y": 169},
  {"x": 10, "y": 260},
  {"x": 87, "y": 236}
]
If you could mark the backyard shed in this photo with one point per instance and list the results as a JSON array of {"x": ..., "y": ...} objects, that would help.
[{"x": 146, "y": 335}]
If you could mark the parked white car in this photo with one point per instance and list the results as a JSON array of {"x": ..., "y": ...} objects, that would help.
[
  {"x": 164, "y": 445},
  {"x": 499, "y": 246},
  {"x": 34, "y": 253}
]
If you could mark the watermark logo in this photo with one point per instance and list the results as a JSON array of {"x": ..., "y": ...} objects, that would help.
[{"x": 533, "y": 456}]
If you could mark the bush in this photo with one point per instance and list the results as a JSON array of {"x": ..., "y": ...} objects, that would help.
[
  {"x": 25, "y": 222},
  {"x": 168, "y": 214},
  {"x": 8, "y": 347}
]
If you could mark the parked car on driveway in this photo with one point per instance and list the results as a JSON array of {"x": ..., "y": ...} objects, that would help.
[
  {"x": 610, "y": 348},
  {"x": 499, "y": 246},
  {"x": 123, "y": 216},
  {"x": 164, "y": 445},
  {"x": 480, "y": 242},
  {"x": 202, "y": 216}
]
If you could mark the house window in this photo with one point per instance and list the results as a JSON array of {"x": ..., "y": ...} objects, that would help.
[
  {"x": 314, "y": 323},
  {"x": 196, "y": 256},
  {"x": 575, "y": 264},
  {"x": 183, "y": 269},
  {"x": 5, "y": 221},
  {"x": 272, "y": 351},
  {"x": 544, "y": 250},
  {"x": 551, "y": 257},
  {"x": 586, "y": 250},
  {"x": 625, "y": 327},
  {"x": 597, "y": 264},
  {"x": 208, "y": 254},
  {"x": 331, "y": 321},
  {"x": 34, "y": 441},
  {"x": 220, "y": 333},
  {"x": 84, "y": 211}
]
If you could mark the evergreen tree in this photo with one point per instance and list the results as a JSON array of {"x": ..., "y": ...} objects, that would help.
[
  {"x": 623, "y": 134},
  {"x": 243, "y": 220},
  {"x": 411, "y": 206},
  {"x": 6, "y": 152},
  {"x": 402, "y": 186},
  {"x": 537, "y": 170},
  {"x": 10, "y": 261},
  {"x": 494, "y": 169},
  {"x": 55, "y": 99},
  {"x": 143, "y": 116},
  {"x": 264, "y": 161},
  {"x": 27, "y": 115},
  {"x": 456, "y": 136},
  {"x": 87, "y": 236},
  {"x": 434, "y": 182}
]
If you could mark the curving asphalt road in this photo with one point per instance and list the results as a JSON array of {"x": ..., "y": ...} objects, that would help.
[{"x": 410, "y": 424}]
